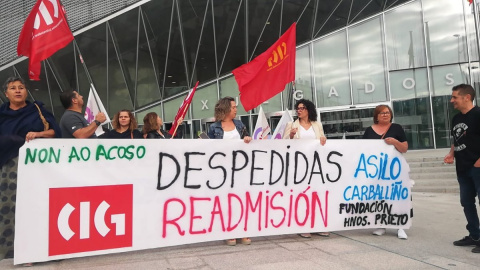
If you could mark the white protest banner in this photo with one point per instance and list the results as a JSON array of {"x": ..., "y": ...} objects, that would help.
[{"x": 87, "y": 197}]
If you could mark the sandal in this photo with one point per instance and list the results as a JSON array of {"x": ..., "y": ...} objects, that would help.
[
  {"x": 246, "y": 241},
  {"x": 323, "y": 234},
  {"x": 305, "y": 235},
  {"x": 231, "y": 242}
]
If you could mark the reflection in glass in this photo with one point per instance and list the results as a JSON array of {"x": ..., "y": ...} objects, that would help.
[
  {"x": 303, "y": 77},
  {"x": 157, "y": 16},
  {"x": 123, "y": 33},
  {"x": 443, "y": 113},
  {"x": 230, "y": 34},
  {"x": 408, "y": 84},
  {"x": 203, "y": 103},
  {"x": 302, "y": 13},
  {"x": 331, "y": 15},
  {"x": 445, "y": 77},
  {"x": 331, "y": 70},
  {"x": 405, "y": 41},
  {"x": 415, "y": 117},
  {"x": 147, "y": 89},
  {"x": 171, "y": 108},
  {"x": 367, "y": 63},
  {"x": 119, "y": 95},
  {"x": 475, "y": 73},
  {"x": 445, "y": 31},
  {"x": 350, "y": 123},
  {"x": 197, "y": 23},
  {"x": 264, "y": 21},
  {"x": 176, "y": 69},
  {"x": 471, "y": 35},
  {"x": 63, "y": 65},
  {"x": 362, "y": 9}
]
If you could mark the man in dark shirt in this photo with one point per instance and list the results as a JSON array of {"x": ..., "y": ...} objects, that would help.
[
  {"x": 466, "y": 150},
  {"x": 72, "y": 123}
]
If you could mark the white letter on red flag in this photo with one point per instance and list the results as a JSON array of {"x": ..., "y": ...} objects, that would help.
[{"x": 45, "y": 31}]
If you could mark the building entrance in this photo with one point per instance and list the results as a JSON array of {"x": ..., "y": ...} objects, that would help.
[{"x": 349, "y": 123}]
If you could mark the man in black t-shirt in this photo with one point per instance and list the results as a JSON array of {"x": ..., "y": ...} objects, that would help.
[{"x": 466, "y": 150}]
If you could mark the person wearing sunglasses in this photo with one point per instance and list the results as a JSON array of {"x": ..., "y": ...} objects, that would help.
[
  {"x": 306, "y": 127},
  {"x": 392, "y": 134}
]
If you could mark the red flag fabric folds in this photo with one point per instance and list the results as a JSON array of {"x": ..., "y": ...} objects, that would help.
[
  {"x": 45, "y": 31},
  {"x": 267, "y": 74},
  {"x": 182, "y": 111}
]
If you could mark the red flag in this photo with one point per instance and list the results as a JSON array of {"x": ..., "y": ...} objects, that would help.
[
  {"x": 45, "y": 31},
  {"x": 267, "y": 74},
  {"x": 182, "y": 111},
  {"x": 470, "y": 1}
]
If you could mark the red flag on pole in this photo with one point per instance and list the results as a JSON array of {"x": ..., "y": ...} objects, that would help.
[
  {"x": 45, "y": 31},
  {"x": 182, "y": 111},
  {"x": 267, "y": 74}
]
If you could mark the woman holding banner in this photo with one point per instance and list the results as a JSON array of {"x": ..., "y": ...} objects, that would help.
[
  {"x": 20, "y": 121},
  {"x": 227, "y": 127},
  {"x": 306, "y": 127},
  {"x": 390, "y": 133},
  {"x": 124, "y": 127}
]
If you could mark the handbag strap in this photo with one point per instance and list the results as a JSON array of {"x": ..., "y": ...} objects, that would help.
[
  {"x": 44, "y": 121},
  {"x": 386, "y": 131}
]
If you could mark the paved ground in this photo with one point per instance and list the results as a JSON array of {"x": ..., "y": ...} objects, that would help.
[{"x": 438, "y": 220}]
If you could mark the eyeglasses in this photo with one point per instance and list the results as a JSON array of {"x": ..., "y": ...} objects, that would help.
[
  {"x": 300, "y": 108},
  {"x": 384, "y": 113}
]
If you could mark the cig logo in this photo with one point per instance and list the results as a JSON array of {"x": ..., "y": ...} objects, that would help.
[
  {"x": 90, "y": 218},
  {"x": 45, "y": 13}
]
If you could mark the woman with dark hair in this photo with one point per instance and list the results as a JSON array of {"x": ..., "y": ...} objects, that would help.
[
  {"x": 227, "y": 127},
  {"x": 306, "y": 127},
  {"x": 124, "y": 127},
  {"x": 20, "y": 121},
  {"x": 152, "y": 124},
  {"x": 392, "y": 134}
]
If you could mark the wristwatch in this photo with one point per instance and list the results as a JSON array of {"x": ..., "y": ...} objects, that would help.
[{"x": 97, "y": 123}]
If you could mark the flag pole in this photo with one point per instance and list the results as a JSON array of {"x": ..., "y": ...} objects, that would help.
[
  {"x": 176, "y": 127},
  {"x": 75, "y": 47},
  {"x": 293, "y": 103}
]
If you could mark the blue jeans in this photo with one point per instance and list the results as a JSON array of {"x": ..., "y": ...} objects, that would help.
[{"x": 469, "y": 189}]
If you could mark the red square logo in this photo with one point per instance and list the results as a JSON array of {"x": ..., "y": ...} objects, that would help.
[{"x": 89, "y": 218}]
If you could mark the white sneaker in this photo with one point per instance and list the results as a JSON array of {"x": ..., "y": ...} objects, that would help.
[
  {"x": 379, "y": 231},
  {"x": 401, "y": 234}
]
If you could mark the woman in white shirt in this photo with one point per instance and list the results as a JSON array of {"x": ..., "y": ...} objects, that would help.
[
  {"x": 227, "y": 127},
  {"x": 306, "y": 127}
]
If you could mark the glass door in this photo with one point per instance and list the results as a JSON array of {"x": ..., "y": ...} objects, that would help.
[{"x": 348, "y": 124}]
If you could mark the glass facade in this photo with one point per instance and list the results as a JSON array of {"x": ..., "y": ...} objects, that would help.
[{"x": 351, "y": 56}]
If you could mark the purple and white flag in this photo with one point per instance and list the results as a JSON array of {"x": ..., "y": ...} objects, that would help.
[
  {"x": 278, "y": 133},
  {"x": 95, "y": 106},
  {"x": 262, "y": 128}
]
